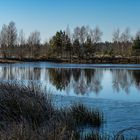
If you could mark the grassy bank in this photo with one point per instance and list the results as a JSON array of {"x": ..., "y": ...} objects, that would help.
[{"x": 26, "y": 113}]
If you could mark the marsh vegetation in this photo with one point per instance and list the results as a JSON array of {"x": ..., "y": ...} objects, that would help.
[{"x": 26, "y": 113}]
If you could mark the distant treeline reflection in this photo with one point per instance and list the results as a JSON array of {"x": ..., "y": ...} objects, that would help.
[{"x": 81, "y": 81}]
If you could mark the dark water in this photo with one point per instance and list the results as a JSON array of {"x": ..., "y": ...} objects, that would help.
[{"x": 115, "y": 89}]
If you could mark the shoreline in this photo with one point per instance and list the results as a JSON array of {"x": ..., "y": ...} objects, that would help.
[{"x": 95, "y": 60}]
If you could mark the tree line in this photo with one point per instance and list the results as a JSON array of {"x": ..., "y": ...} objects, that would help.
[{"x": 83, "y": 43}]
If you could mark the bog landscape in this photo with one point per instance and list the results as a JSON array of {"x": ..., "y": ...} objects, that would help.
[{"x": 69, "y": 70}]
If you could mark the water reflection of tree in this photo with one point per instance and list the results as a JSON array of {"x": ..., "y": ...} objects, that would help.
[
  {"x": 89, "y": 73},
  {"x": 96, "y": 80},
  {"x": 80, "y": 86},
  {"x": 79, "y": 81},
  {"x": 122, "y": 80},
  {"x": 17, "y": 73},
  {"x": 76, "y": 74},
  {"x": 37, "y": 73},
  {"x": 60, "y": 78},
  {"x": 82, "y": 81},
  {"x": 136, "y": 76},
  {"x": 7, "y": 73}
]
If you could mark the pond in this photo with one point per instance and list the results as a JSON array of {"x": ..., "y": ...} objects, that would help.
[{"x": 114, "y": 89}]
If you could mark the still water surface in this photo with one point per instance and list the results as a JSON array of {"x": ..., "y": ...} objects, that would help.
[{"x": 115, "y": 89}]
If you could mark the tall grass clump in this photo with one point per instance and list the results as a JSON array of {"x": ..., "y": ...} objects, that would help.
[
  {"x": 24, "y": 103},
  {"x": 86, "y": 116}
]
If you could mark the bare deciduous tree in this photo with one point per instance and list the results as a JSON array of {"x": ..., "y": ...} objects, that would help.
[
  {"x": 76, "y": 33},
  {"x": 125, "y": 42},
  {"x": 3, "y": 36},
  {"x": 68, "y": 32},
  {"x": 97, "y": 34},
  {"x": 116, "y": 35},
  {"x": 11, "y": 34},
  {"x": 21, "y": 38},
  {"x": 34, "y": 38},
  {"x": 83, "y": 34},
  {"x": 126, "y": 35}
]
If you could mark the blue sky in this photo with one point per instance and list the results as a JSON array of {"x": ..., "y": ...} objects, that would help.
[{"x": 48, "y": 16}]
